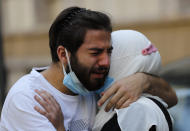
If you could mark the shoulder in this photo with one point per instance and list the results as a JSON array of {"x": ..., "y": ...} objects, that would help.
[
  {"x": 141, "y": 108},
  {"x": 140, "y": 115},
  {"x": 23, "y": 88},
  {"x": 146, "y": 107},
  {"x": 19, "y": 101},
  {"x": 25, "y": 85},
  {"x": 18, "y": 113},
  {"x": 21, "y": 94}
]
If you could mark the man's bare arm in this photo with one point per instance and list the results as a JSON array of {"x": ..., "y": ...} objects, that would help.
[
  {"x": 159, "y": 87},
  {"x": 127, "y": 90}
]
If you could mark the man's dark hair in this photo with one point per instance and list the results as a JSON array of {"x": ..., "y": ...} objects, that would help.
[{"x": 70, "y": 27}]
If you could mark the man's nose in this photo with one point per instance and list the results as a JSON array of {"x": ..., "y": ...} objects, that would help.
[{"x": 104, "y": 60}]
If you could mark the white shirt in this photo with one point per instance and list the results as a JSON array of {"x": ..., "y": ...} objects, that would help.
[
  {"x": 18, "y": 112},
  {"x": 139, "y": 116}
]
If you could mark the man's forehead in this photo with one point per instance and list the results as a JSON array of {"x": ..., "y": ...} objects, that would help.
[
  {"x": 97, "y": 38},
  {"x": 97, "y": 45},
  {"x": 97, "y": 35}
]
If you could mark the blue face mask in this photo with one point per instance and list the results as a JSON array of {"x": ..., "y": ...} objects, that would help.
[
  {"x": 71, "y": 81},
  {"x": 108, "y": 82}
]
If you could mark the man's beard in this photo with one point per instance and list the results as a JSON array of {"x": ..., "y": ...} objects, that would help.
[{"x": 83, "y": 73}]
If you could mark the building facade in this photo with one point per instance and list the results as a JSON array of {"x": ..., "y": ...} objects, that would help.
[{"x": 26, "y": 24}]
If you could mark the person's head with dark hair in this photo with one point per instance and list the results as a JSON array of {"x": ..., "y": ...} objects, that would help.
[
  {"x": 80, "y": 42},
  {"x": 70, "y": 27}
]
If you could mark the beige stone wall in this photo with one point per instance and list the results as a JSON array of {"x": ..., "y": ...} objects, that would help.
[
  {"x": 26, "y": 23},
  {"x": 22, "y": 52},
  {"x": 25, "y": 51}
]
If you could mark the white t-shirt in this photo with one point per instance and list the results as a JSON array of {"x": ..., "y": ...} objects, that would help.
[{"x": 18, "y": 112}]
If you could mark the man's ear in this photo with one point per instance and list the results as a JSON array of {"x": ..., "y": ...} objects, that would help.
[{"x": 61, "y": 54}]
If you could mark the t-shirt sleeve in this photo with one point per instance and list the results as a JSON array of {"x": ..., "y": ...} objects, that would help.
[{"x": 21, "y": 115}]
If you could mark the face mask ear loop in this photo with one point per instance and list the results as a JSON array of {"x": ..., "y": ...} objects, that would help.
[
  {"x": 64, "y": 70},
  {"x": 68, "y": 60}
]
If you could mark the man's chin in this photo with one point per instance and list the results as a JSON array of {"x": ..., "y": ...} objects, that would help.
[
  {"x": 94, "y": 88},
  {"x": 95, "y": 85}
]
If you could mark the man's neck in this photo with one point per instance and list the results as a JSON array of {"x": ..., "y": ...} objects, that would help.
[{"x": 54, "y": 75}]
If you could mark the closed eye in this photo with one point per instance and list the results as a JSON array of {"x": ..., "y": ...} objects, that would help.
[
  {"x": 110, "y": 50},
  {"x": 95, "y": 51}
]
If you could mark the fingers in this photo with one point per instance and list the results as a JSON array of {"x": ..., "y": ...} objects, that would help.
[
  {"x": 121, "y": 102},
  {"x": 107, "y": 94},
  {"x": 42, "y": 103},
  {"x": 45, "y": 101},
  {"x": 113, "y": 101},
  {"x": 128, "y": 102},
  {"x": 42, "y": 112},
  {"x": 45, "y": 95},
  {"x": 48, "y": 102},
  {"x": 52, "y": 110}
]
